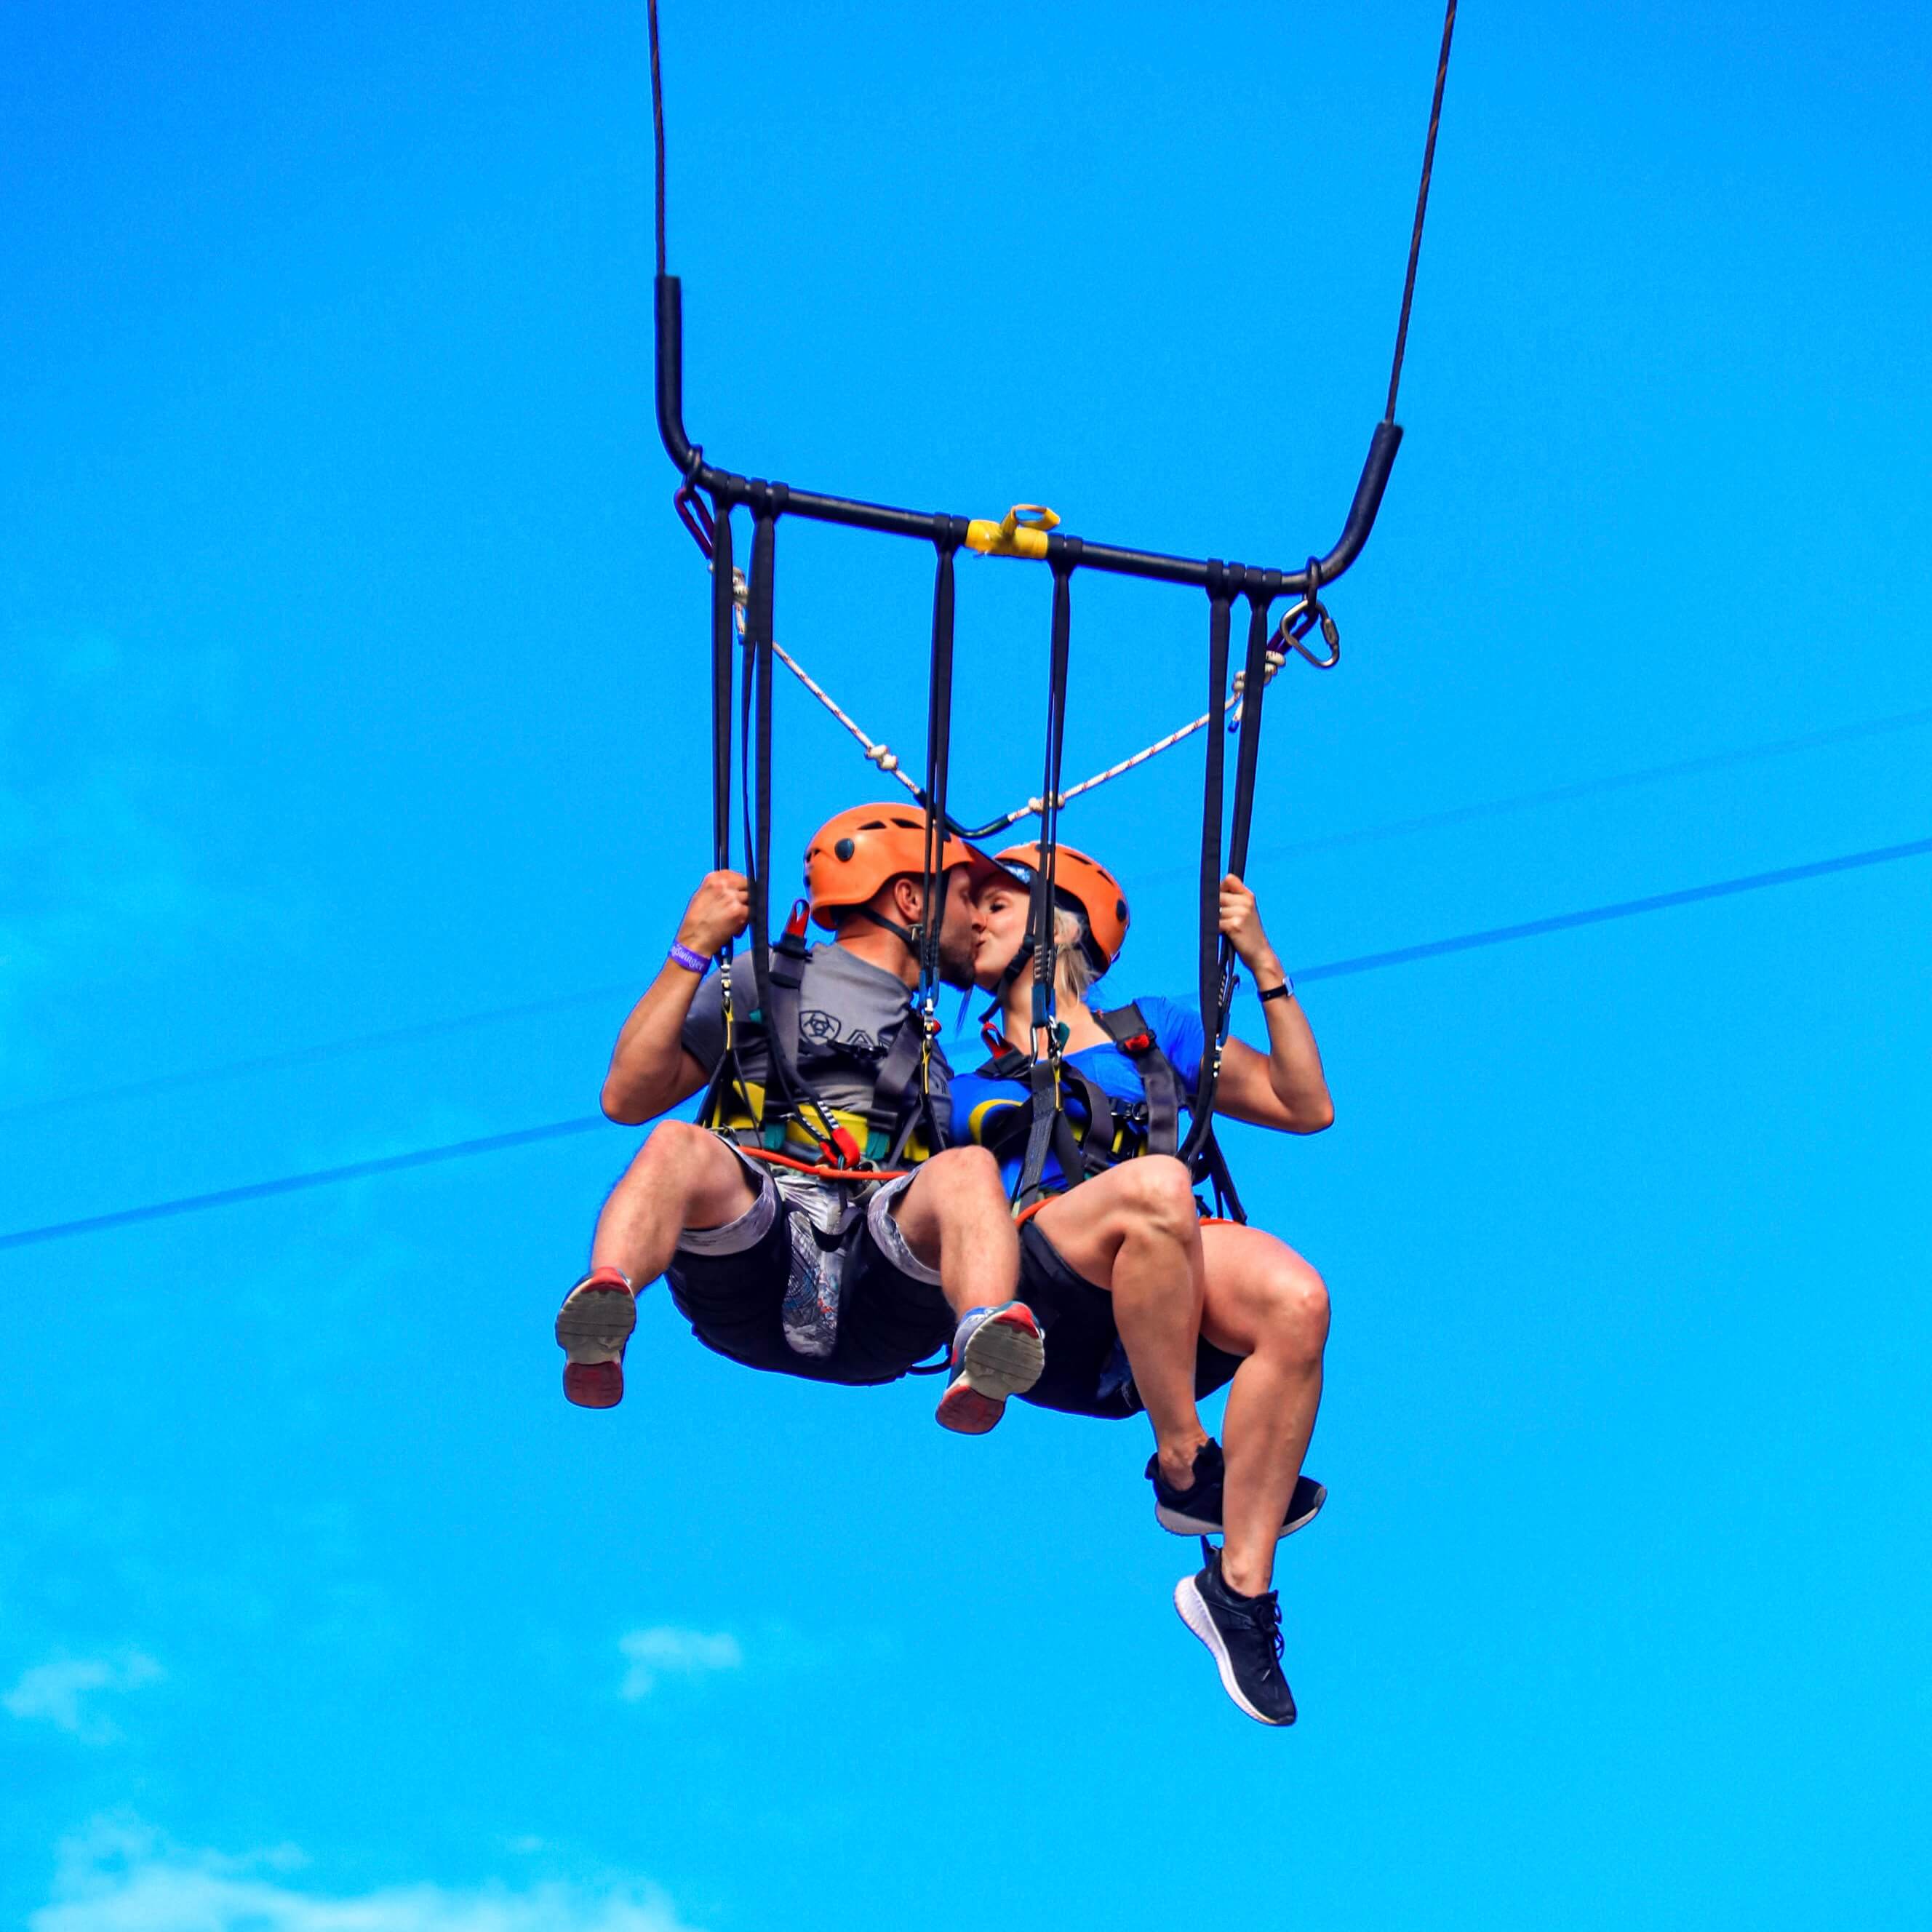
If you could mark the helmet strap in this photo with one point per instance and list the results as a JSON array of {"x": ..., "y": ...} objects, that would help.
[{"x": 910, "y": 934}]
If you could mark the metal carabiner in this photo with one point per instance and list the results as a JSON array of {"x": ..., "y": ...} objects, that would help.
[{"x": 1296, "y": 624}]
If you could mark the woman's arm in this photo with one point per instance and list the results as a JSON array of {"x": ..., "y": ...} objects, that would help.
[
  {"x": 650, "y": 1071},
  {"x": 1284, "y": 1088}
]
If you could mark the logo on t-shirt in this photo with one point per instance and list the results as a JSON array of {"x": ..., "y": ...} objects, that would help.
[{"x": 822, "y": 1029}]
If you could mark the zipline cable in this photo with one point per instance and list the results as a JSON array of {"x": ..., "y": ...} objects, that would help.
[
  {"x": 1461, "y": 815},
  {"x": 1339, "y": 969},
  {"x": 1415, "y": 235}
]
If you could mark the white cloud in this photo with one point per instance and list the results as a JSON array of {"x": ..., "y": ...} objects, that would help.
[
  {"x": 667, "y": 1651},
  {"x": 122, "y": 1876},
  {"x": 55, "y": 1691}
]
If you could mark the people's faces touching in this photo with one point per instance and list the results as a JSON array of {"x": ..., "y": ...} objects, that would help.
[
  {"x": 999, "y": 912},
  {"x": 958, "y": 935}
]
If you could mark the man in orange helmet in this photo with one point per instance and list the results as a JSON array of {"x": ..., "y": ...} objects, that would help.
[{"x": 811, "y": 1225}]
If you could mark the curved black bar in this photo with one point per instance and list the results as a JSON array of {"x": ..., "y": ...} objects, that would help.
[
  {"x": 1382, "y": 447},
  {"x": 670, "y": 383},
  {"x": 932, "y": 527}
]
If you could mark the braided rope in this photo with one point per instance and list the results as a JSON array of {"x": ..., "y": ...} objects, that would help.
[{"x": 887, "y": 760}]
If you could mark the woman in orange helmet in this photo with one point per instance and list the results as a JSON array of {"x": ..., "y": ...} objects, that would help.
[{"x": 1144, "y": 1305}]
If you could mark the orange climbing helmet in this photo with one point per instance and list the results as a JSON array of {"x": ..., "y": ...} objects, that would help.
[
  {"x": 1084, "y": 885},
  {"x": 852, "y": 855}
]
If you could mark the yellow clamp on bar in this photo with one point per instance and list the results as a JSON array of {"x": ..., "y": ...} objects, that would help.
[{"x": 1021, "y": 532}]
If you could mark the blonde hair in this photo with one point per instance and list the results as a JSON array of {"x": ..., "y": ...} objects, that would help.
[{"x": 1072, "y": 971}]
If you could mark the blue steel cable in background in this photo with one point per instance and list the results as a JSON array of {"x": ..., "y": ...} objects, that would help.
[{"x": 1338, "y": 969}]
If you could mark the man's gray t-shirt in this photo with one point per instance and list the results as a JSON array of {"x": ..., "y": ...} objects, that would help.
[{"x": 849, "y": 1012}]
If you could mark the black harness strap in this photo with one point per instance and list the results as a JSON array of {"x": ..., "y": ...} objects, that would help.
[
  {"x": 1125, "y": 1028},
  {"x": 728, "y": 1084},
  {"x": 778, "y": 970},
  {"x": 1091, "y": 1148},
  {"x": 1064, "y": 555},
  {"x": 916, "y": 1077},
  {"x": 1217, "y": 954},
  {"x": 1220, "y": 607},
  {"x": 901, "y": 1100}
]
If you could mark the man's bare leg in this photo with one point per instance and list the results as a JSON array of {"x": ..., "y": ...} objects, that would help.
[
  {"x": 683, "y": 1177},
  {"x": 1265, "y": 1303},
  {"x": 956, "y": 1218},
  {"x": 1134, "y": 1231}
]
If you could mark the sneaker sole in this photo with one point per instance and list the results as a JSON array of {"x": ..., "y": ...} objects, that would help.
[
  {"x": 592, "y": 1326},
  {"x": 594, "y": 1385},
  {"x": 965, "y": 1411},
  {"x": 595, "y": 1323},
  {"x": 1305, "y": 1506},
  {"x": 1194, "y": 1613},
  {"x": 1003, "y": 1358}
]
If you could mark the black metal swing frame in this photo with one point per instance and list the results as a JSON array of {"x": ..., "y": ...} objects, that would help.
[{"x": 1260, "y": 587}]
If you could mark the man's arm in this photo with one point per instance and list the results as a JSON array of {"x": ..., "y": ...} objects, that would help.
[
  {"x": 650, "y": 1070},
  {"x": 1284, "y": 1088}
]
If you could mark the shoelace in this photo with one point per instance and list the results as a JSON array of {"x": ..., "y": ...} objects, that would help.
[
  {"x": 1268, "y": 1616},
  {"x": 1265, "y": 1616}
]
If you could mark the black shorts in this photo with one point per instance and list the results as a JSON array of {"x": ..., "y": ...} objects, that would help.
[
  {"x": 729, "y": 1282},
  {"x": 1086, "y": 1372}
]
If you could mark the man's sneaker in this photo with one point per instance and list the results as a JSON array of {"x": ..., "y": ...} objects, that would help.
[
  {"x": 1244, "y": 1633},
  {"x": 592, "y": 1326},
  {"x": 1196, "y": 1511},
  {"x": 996, "y": 1352}
]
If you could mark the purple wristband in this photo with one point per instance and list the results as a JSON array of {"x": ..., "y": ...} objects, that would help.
[{"x": 699, "y": 963}]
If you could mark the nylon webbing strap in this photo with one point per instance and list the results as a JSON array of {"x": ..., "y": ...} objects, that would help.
[
  {"x": 782, "y": 1077},
  {"x": 1217, "y": 955},
  {"x": 1212, "y": 812},
  {"x": 938, "y": 760},
  {"x": 1159, "y": 1081},
  {"x": 1063, "y": 554},
  {"x": 938, "y": 767},
  {"x": 899, "y": 1105},
  {"x": 729, "y": 1080},
  {"x": 1254, "y": 689},
  {"x": 723, "y": 638}
]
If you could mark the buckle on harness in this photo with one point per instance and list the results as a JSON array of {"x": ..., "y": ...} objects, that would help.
[{"x": 1141, "y": 1042}]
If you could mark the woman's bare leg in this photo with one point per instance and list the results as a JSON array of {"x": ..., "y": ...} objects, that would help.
[
  {"x": 1263, "y": 1301},
  {"x": 1134, "y": 1231}
]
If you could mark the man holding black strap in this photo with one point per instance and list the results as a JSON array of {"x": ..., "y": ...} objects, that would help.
[{"x": 809, "y": 1226}]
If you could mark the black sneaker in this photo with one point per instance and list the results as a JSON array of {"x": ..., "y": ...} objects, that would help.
[
  {"x": 1244, "y": 1633},
  {"x": 1196, "y": 1511}
]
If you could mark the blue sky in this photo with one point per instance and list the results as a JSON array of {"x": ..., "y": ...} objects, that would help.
[{"x": 355, "y": 681}]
